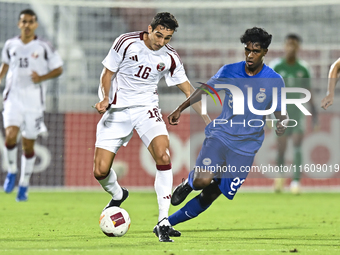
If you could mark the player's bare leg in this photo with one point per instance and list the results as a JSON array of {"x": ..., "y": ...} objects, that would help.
[
  {"x": 107, "y": 177},
  {"x": 27, "y": 164},
  {"x": 202, "y": 179},
  {"x": 197, "y": 180},
  {"x": 197, "y": 205},
  {"x": 281, "y": 149},
  {"x": 297, "y": 142},
  {"x": 159, "y": 149},
  {"x": 11, "y": 151}
]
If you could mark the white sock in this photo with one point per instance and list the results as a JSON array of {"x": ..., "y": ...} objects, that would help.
[
  {"x": 27, "y": 165},
  {"x": 11, "y": 156},
  {"x": 111, "y": 185},
  {"x": 163, "y": 187}
]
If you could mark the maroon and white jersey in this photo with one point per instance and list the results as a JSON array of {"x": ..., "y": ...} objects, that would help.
[
  {"x": 23, "y": 59},
  {"x": 139, "y": 69}
]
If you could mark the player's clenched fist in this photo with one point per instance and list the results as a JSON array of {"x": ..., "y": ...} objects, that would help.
[
  {"x": 174, "y": 116},
  {"x": 102, "y": 105},
  {"x": 327, "y": 102},
  {"x": 35, "y": 77}
]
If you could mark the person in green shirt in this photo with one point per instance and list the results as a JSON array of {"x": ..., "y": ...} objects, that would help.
[{"x": 295, "y": 73}]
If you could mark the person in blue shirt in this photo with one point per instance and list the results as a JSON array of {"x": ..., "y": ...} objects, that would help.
[{"x": 233, "y": 139}]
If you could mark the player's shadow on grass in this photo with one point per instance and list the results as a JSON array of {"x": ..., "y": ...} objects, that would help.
[
  {"x": 240, "y": 229},
  {"x": 228, "y": 229}
]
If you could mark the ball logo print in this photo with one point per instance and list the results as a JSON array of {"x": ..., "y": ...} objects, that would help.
[
  {"x": 114, "y": 221},
  {"x": 117, "y": 219}
]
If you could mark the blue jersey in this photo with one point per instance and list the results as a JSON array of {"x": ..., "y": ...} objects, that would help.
[{"x": 244, "y": 133}]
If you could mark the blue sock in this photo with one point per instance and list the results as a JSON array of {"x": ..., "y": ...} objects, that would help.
[{"x": 192, "y": 209}]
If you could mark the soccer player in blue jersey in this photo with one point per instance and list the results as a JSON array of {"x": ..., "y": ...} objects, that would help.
[{"x": 233, "y": 140}]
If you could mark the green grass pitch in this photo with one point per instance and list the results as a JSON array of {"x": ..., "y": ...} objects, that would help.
[{"x": 254, "y": 223}]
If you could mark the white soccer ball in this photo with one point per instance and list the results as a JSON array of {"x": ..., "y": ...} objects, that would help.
[{"x": 114, "y": 221}]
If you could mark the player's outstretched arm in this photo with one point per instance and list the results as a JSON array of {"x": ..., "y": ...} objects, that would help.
[
  {"x": 193, "y": 98},
  {"x": 333, "y": 76},
  {"x": 53, "y": 74},
  {"x": 105, "y": 84},
  {"x": 281, "y": 125},
  {"x": 188, "y": 90},
  {"x": 3, "y": 70}
]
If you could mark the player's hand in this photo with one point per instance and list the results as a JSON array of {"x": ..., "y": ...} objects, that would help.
[
  {"x": 35, "y": 77},
  {"x": 280, "y": 129},
  {"x": 174, "y": 116},
  {"x": 102, "y": 105},
  {"x": 327, "y": 102}
]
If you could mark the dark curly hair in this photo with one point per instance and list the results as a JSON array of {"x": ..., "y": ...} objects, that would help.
[
  {"x": 28, "y": 12},
  {"x": 257, "y": 35},
  {"x": 165, "y": 19}
]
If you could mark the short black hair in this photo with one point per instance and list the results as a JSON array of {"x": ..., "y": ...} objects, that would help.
[
  {"x": 164, "y": 19},
  {"x": 28, "y": 12},
  {"x": 294, "y": 37},
  {"x": 257, "y": 35}
]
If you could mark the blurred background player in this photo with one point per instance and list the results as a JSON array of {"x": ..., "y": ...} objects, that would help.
[
  {"x": 130, "y": 101},
  {"x": 333, "y": 77},
  {"x": 295, "y": 73},
  {"x": 29, "y": 61},
  {"x": 231, "y": 145}
]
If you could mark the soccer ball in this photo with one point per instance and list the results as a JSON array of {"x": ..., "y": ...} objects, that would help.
[{"x": 114, "y": 221}]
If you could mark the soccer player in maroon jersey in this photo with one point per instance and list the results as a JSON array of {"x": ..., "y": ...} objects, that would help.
[{"x": 129, "y": 100}]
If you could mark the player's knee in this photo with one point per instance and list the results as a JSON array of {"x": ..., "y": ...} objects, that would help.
[
  {"x": 11, "y": 138},
  {"x": 200, "y": 183},
  {"x": 162, "y": 158},
  {"x": 100, "y": 169},
  {"x": 28, "y": 149}
]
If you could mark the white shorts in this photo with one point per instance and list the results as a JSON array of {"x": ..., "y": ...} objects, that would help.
[
  {"x": 116, "y": 126},
  {"x": 31, "y": 123}
]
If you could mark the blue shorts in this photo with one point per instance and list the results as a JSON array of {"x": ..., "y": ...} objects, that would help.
[{"x": 228, "y": 166}]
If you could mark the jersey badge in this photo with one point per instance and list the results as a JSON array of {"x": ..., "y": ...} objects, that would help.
[
  {"x": 35, "y": 55},
  {"x": 160, "y": 67},
  {"x": 261, "y": 96},
  {"x": 206, "y": 161}
]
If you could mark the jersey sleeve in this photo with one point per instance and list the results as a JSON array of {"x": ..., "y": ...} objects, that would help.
[
  {"x": 218, "y": 78},
  {"x": 116, "y": 54},
  {"x": 5, "y": 57},
  {"x": 52, "y": 56},
  {"x": 176, "y": 74}
]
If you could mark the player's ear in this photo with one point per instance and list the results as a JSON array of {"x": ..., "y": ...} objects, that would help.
[
  {"x": 265, "y": 51},
  {"x": 149, "y": 29}
]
